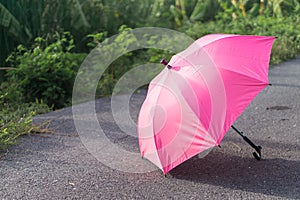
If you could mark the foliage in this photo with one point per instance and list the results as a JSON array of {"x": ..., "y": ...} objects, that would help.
[
  {"x": 12, "y": 25},
  {"x": 16, "y": 119},
  {"x": 35, "y": 18},
  {"x": 46, "y": 71},
  {"x": 28, "y": 19},
  {"x": 19, "y": 22},
  {"x": 254, "y": 8},
  {"x": 132, "y": 48},
  {"x": 32, "y": 18},
  {"x": 118, "y": 49}
]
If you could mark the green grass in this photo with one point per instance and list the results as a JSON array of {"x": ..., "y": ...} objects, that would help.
[{"x": 16, "y": 120}]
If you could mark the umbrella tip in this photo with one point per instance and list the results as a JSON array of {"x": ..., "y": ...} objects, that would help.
[{"x": 165, "y": 63}]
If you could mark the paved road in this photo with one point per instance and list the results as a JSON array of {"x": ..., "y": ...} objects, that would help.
[{"x": 58, "y": 166}]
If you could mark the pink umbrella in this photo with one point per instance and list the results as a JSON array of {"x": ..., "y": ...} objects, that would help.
[{"x": 193, "y": 102}]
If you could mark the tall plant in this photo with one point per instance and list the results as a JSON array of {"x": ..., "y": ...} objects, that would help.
[
  {"x": 22, "y": 20},
  {"x": 11, "y": 32}
]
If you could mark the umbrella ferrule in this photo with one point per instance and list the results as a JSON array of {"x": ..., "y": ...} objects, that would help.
[{"x": 165, "y": 63}]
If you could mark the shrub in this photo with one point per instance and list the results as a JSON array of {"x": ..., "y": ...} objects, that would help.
[{"x": 46, "y": 71}]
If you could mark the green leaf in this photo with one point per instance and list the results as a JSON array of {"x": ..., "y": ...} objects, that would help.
[{"x": 13, "y": 26}]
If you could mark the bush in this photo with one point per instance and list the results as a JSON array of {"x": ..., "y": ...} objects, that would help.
[{"x": 45, "y": 72}]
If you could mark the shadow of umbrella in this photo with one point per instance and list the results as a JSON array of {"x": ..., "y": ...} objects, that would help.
[{"x": 278, "y": 177}]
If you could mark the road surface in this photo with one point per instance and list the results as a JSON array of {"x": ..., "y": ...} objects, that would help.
[{"x": 57, "y": 165}]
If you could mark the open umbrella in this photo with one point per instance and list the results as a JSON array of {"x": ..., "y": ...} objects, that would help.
[{"x": 193, "y": 102}]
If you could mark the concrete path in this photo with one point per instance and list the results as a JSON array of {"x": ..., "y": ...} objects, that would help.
[{"x": 58, "y": 166}]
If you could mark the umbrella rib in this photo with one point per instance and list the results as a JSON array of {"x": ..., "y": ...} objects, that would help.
[
  {"x": 160, "y": 83},
  {"x": 252, "y": 77}
]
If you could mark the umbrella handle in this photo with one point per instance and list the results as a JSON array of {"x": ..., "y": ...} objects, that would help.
[{"x": 257, "y": 154}]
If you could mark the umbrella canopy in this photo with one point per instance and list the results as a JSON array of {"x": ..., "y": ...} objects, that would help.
[{"x": 193, "y": 102}]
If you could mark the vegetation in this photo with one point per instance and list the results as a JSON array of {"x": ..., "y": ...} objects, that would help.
[
  {"x": 45, "y": 71},
  {"x": 16, "y": 120},
  {"x": 44, "y": 42}
]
